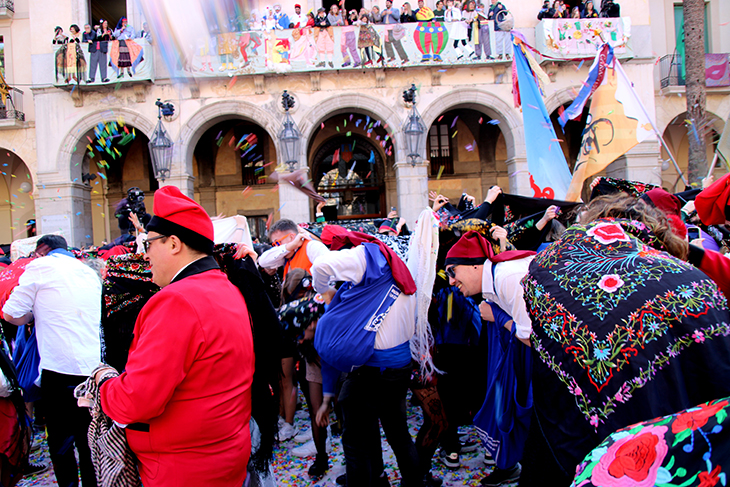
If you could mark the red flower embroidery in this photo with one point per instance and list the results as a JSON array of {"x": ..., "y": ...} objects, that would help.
[
  {"x": 635, "y": 457},
  {"x": 709, "y": 479},
  {"x": 607, "y": 233},
  {"x": 696, "y": 418}
]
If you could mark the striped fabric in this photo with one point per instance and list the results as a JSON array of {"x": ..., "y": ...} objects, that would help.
[{"x": 113, "y": 461}]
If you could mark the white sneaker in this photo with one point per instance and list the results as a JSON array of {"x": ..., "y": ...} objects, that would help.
[
  {"x": 304, "y": 437},
  {"x": 309, "y": 449},
  {"x": 286, "y": 432}
]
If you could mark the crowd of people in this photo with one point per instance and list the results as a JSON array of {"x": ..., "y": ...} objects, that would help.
[
  {"x": 549, "y": 326},
  {"x": 124, "y": 55},
  {"x": 585, "y": 10}
]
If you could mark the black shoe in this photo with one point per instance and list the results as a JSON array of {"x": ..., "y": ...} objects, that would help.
[
  {"x": 105, "y": 80},
  {"x": 451, "y": 460},
  {"x": 319, "y": 468},
  {"x": 89, "y": 81},
  {"x": 430, "y": 481},
  {"x": 501, "y": 477},
  {"x": 35, "y": 468},
  {"x": 341, "y": 480}
]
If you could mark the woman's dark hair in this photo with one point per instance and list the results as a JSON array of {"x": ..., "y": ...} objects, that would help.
[{"x": 621, "y": 205}]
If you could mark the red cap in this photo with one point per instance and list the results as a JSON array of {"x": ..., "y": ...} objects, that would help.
[
  {"x": 670, "y": 205},
  {"x": 176, "y": 214},
  {"x": 329, "y": 232},
  {"x": 712, "y": 202},
  {"x": 473, "y": 249}
]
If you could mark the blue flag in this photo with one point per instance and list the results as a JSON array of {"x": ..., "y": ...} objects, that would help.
[{"x": 549, "y": 173}]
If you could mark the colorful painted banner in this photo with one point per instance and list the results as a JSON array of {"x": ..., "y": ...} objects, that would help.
[
  {"x": 129, "y": 62},
  {"x": 717, "y": 69},
  {"x": 581, "y": 38}
]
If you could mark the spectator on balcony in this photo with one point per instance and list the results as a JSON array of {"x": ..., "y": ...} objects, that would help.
[
  {"x": 59, "y": 37},
  {"x": 97, "y": 54},
  {"x": 325, "y": 38},
  {"x": 75, "y": 60},
  {"x": 126, "y": 54},
  {"x": 457, "y": 28},
  {"x": 469, "y": 17},
  {"x": 407, "y": 15},
  {"x": 375, "y": 16},
  {"x": 103, "y": 32},
  {"x": 610, "y": 9},
  {"x": 367, "y": 39},
  {"x": 298, "y": 19},
  {"x": 588, "y": 11},
  {"x": 545, "y": 11},
  {"x": 439, "y": 15},
  {"x": 124, "y": 31},
  {"x": 145, "y": 33},
  {"x": 575, "y": 13},
  {"x": 310, "y": 19},
  {"x": 335, "y": 16},
  {"x": 497, "y": 13},
  {"x": 391, "y": 15},
  {"x": 423, "y": 13},
  {"x": 482, "y": 42}
]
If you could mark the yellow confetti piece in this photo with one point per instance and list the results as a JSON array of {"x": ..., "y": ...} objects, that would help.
[
  {"x": 13, "y": 176},
  {"x": 441, "y": 171},
  {"x": 449, "y": 306},
  {"x": 454, "y": 134}
]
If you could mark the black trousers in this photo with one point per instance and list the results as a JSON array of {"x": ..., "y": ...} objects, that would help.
[
  {"x": 369, "y": 394},
  {"x": 67, "y": 425}
]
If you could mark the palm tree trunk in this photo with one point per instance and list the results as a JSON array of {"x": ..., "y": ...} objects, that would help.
[{"x": 694, "y": 45}]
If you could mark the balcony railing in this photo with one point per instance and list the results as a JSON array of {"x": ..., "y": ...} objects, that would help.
[
  {"x": 13, "y": 107},
  {"x": 581, "y": 38},
  {"x": 133, "y": 61},
  {"x": 717, "y": 70},
  {"x": 7, "y": 9}
]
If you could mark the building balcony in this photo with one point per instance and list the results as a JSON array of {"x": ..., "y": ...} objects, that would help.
[
  {"x": 11, "y": 111},
  {"x": 412, "y": 45},
  {"x": 7, "y": 9},
  {"x": 672, "y": 76},
  {"x": 71, "y": 65},
  {"x": 570, "y": 39}
]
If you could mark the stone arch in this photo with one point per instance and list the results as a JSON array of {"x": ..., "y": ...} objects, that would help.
[
  {"x": 488, "y": 103},
  {"x": 560, "y": 97},
  {"x": 667, "y": 117},
  {"x": 70, "y": 155},
  {"x": 213, "y": 113},
  {"x": 311, "y": 120}
]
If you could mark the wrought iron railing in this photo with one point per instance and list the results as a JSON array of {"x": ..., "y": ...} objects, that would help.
[
  {"x": 13, "y": 108},
  {"x": 8, "y": 4},
  {"x": 670, "y": 70}
]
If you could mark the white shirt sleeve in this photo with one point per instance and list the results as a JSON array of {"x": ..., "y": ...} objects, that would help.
[
  {"x": 274, "y": 258},
  {"x": 316, "y": 248},
  {"x": 341, "y": 265},
  {"x": 511, "y": 293},
  {"x": 23, "y": 297}
]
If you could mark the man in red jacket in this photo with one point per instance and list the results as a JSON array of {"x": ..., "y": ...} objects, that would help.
[
  {"x": 185, "y": 396},
  {"x": 713, "y": 208}
]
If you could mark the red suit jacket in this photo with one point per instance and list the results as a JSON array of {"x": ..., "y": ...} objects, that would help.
[{"x": 188, "y": 380}]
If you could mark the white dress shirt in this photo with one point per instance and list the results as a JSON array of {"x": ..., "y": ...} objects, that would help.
[
  {"x": 275, "y": 257},
  {"x": 349, "y": 265},
  {"x": 509, "y": 294},
  {"x": 65, "y": 298}
]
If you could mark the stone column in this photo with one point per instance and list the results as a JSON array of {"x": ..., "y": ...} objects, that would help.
[
  {"x": 182, "y": 181},
  {"x": 641, "y": 163},
  {"x": 65, "y": 207},
  {"x": 412, "y": 184},
  {"x": 293, "y": 204},
  {"x": 519, "y": 177}
]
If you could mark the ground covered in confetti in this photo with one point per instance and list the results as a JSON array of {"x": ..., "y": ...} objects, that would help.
[{"x": 291, "y": 471}]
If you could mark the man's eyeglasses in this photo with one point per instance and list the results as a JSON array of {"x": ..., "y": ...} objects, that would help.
[
  {"x": 146, "y": 243},
  {"x": 281, "y": 240},
  {"x": 450, "y": 272}
]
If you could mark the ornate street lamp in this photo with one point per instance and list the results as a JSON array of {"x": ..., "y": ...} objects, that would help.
[
  {"x": 161, "y": 145},
  {"x": 290, "y": 136},
  {"x": 413, "y": 128}
]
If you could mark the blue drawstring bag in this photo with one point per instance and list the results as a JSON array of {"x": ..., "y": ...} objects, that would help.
[
  {"x": 504, "y": 419},
  {"x": 27, "y": 363}
]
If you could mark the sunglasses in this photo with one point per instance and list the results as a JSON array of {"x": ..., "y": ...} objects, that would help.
[
  {"x": 450, "y": 271},
  {"x": 281, "y": 240},
  {"x": 146, "y": 243}
]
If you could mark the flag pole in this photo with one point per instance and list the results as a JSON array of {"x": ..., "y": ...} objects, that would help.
[
  {"x": 651, "y": 121},
  {"x": 712, "y": 166}
]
